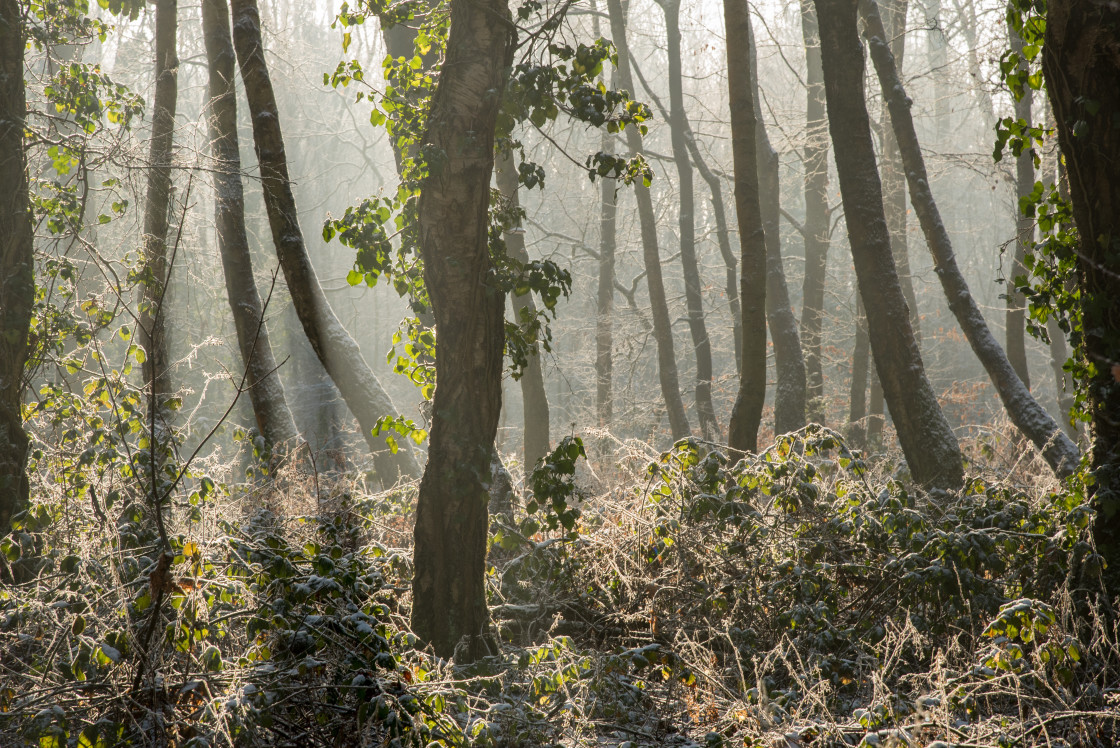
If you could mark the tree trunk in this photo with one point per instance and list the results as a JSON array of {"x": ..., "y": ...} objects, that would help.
[
  {"x": 817, "y": 229},
  {"x": 157, "y": 207},
  {"x": 928, "y": 442},
  {"x": 894, "y": 179},
  {"x": 604, "y": 323},
  {"x": 1081, "y": 61},
  {"x": 789, "y": 364},
  {"x": 861, "y": 360},
  {"x": 266, "y": 392},
  {"x": 723, "y": 236},
  {"x": 532, "y": 379},
  {"x": 449, "y": 596},
  {"x": 1025, "y": 412},
  {"x": 659, "y": 306},
  {"x": 1063, "y": 382},
  {"x": 686, "y": 223},
  {"x": 747, "y": 412},
  {"x": 1024, "y": 234},
  {"x": 17, "y": 262},
  {"x": 334, "y": 347}
]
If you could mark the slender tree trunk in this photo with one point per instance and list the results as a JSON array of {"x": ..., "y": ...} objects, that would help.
[
  {"x": 604, "y": 323},
  {"x": 747, "y": 412},
  {"x": 817, "y": 229},
  {"x": 928, "y": 442},
  {"x": 333, "y": 345},
  {"x": 861, "y": 361},
  {"x": 659, "y": 306},
  {"x": 1024, "y": 234},
  {"x": 17, "y": 262},
  {"x": 1025, "y": 412},
  {"x": 686, "y": 222},
  {"x": 894, "y": 179},
  {"x": 449, "y": 597},
  {"x": 966, "y": 12},
  {"x": 789, "y": 394},
  {"x": 723, "y": 235},
  {"x": 157, "y": 207},
  {"x": 1063, "y": 382},
  {"x": 876, "y": 412},
  {"x": 937, "y": 52},
  {"x": 1081, "y": 62},
  {"x": 266, "y": 392},
  {"x": 532, "y": 379}
]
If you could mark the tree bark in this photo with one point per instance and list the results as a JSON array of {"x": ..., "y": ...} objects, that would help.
[
  {"x": 17, "y": 262},
  {"x": 604, "y": 312},
  {"x": 651, "y": 256},
  {"x": 723, "y": 236},
  {"x": 536, "y": 434},
  {"x": 1025, "y": 412},
  {"x": 817, "y": 230},
  {"x": 449, "y": 596},
  {"x": 789, "y": 363},
  {"x": 928, "y": 442},
  {"x": 266, "y": 391},
  {"x": 746, "y": 415},
  {"x": 894, "y": 178},
  {"x": 1081, "y": 62},
  {"x": 334, "y": 347},
  {"x": 861, "y": 361},
  {"x": 1024, "y": 234},
  {"x": 686, "y": 223},
  {"x": 157, "y": 205}
]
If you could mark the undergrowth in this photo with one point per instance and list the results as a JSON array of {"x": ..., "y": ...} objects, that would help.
[{"x": 798, "y": 597}]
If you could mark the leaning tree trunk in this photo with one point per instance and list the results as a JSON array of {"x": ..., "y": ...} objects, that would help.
[
  {"x": 153, "y": 330},
  {"x": 333, "y": 345},
  {"x": 449, "y": 595},
  {"x": 746, "y": 415},
  {"x": 894, "y": 180},
  {"x": 789, "y": 394},
  {"x": 1024, "y": 233},
  {"x": 659, "y": 305},
  {"x": 817, "y": 230},
  {"x": 17, "y": 261},
  {"x": 1025, "y": 412},
  {"x": 686, "y": 223},
  {"x": 1081, "y": 62},
  {"x": 266, "y": 392},
  {"x": 928, "y": 442},
  {"x": 532, "y": 379}
]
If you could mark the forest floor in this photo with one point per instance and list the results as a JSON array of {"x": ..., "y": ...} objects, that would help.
[{"x": 809, "y": 596}]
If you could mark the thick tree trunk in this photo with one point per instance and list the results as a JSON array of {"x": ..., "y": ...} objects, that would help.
[
  {"x": 928, "y": 442},
  {"x": 1024, "y": 234},
  {"x": 1025, "y": 412},
  {"x": 532, "y": 379},
  {"x": 1081, "y": 61},
  {"x": 686, "y": 223},
  {"x": 17, "y": 262},
  {"x": 894, "y": 179},
  {"x": 817, "y": 230},
  {"x": 333, "y": 345},
  {"x": 747, "y": 412},
  {"x": 449, "y": 596},
  {"x": 659, "y": 306},
  {"x": 789, "y": 364},
  {"x": 157, "y": 204},
  {"x": 266, "y": 392}
]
